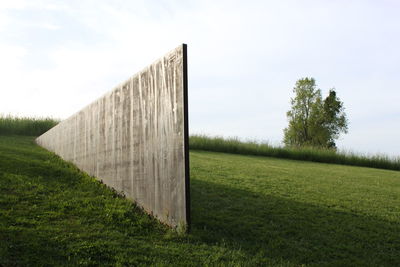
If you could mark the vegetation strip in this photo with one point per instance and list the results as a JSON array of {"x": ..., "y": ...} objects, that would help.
[
  {"x": 235, "y": 146},
  {"x": 12, "y": 125}
]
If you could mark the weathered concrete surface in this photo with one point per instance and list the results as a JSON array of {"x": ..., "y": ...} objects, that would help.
[{"x": 134, "y": 138}]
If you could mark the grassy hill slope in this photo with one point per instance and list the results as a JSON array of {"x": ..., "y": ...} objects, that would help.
[{"x": 246, "y": 210}]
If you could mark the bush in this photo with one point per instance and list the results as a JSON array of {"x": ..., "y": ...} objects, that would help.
[{"x": 12, "y": 125}]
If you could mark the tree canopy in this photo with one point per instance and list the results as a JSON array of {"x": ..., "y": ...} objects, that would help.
[{"x": 313, "y": 121}]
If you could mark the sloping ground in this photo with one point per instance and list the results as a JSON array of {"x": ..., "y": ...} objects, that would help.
[{"x": 246, "y": 210}]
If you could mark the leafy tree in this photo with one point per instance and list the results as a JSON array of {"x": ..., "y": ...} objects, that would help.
[
  {"x": 334, "y": 119},
  {"x": 313, "y": 121}
]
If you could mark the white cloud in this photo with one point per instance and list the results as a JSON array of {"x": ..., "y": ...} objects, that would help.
[{"x": 13, "y": 4}]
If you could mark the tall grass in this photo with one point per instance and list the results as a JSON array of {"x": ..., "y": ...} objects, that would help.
[
  {"x": 235, "y": 146},
  {"x": 12, "y": 125}
]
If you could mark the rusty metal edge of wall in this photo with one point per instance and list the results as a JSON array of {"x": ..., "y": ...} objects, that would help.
[{"x": 186, "y": 136}]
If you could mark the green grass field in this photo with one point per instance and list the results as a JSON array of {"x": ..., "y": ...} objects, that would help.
[
  {"x": 235, "y": 146},
  {"x": 246, "y": 211}
]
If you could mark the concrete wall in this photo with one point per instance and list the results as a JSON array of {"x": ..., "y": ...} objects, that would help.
[{"x": 135, "y": 139}]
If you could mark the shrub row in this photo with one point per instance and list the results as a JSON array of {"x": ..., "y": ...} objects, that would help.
[
  {"x": 11, "y": 125},
  {"x": 235, "y": 146}
]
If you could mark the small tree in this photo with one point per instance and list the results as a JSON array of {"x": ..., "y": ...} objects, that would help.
[
  {"x": 313, "y": 122},
  {"x": 334, "y": 119}
]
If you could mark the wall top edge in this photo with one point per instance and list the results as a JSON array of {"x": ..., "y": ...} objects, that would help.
[{"x": 181, "y": 47}]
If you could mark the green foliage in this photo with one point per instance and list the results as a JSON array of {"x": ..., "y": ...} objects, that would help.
[
  {"x": 246, "y": 211},
  {"x": 334, "y": 119},
  {"x": 235, "y": 146},
  {"x": 313, "y": 121},
  {"x": 304, "y": 115},
  {"x": 11, "y": 125}
]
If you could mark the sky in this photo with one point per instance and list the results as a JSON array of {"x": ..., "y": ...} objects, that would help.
[{"x": 244, "y": 58}]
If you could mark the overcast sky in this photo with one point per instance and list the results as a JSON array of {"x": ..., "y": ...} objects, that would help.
[{"x": 244, "y": 59}]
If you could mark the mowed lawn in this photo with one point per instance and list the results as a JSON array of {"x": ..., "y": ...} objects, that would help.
[{"x": 246, "y": 211}]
